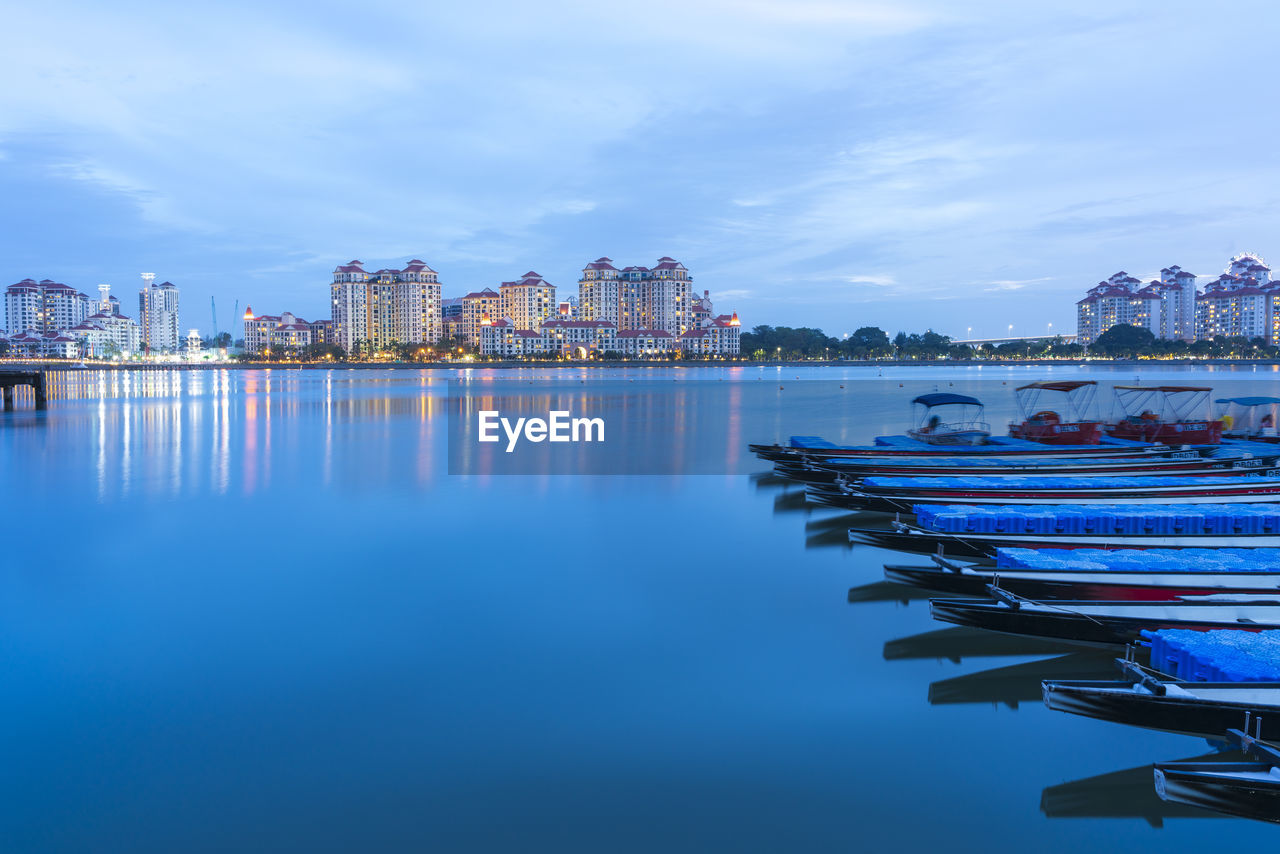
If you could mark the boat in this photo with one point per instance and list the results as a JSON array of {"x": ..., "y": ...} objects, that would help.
[
  {"x": 1183, "y": 462},
  {"x": 958, "y": 423},
  {"x": 903, "y": 447},
  {"x": 1150, "y": 701},
  {"x": 1165, "y": 413},
  {"x": 981, "y": 531},
  {"x": 900, "y": 494},
  {"x": 1251, "y": 419},
  {"x": 953, "y": 577},
  {"x": 1242, "y": 789},
  {"x": 1049, "y": 425},
  {"x": 1105, "y": 623}
]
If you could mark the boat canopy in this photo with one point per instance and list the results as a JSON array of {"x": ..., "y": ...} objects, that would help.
[
  {"x": 1166, "y": 403},
  {"x": 1249, "y": 401},
  {"x": 1057, "y": 385},
  {"x": 945, "y": 398},
  {"x": 1079, "y": 398}
]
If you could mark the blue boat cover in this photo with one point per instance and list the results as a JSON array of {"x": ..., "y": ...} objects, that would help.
[
  {"x": 1032, "y": 481},
  {"x": 1141, "y": 560},
  {"x": 1006, "y": 462},
  {"x": 942, "y": 398},
  {"x": 1223, "y": 655},
  {"x": 1103, "y": 519},
  {"x": 1249, "y": 401}
]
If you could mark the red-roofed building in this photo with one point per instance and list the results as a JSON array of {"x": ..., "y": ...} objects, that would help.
[
  {"x": 374, "y": 310},
  {"x": 45, "y": 306},
  {"x": 638, "y": 297},
  {"x": 528, "y": 301},
  {"x": 478, "y": 309}
]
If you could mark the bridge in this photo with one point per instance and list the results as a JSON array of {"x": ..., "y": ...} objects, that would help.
[
  {"x": 974, "y": 342},
  {"x": 10, "y": 378}
]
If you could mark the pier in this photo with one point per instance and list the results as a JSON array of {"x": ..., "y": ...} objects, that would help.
[{"x": 13, "y": 377}]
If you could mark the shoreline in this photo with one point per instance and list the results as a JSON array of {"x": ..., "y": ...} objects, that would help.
[{"x": 516, "y": 365}]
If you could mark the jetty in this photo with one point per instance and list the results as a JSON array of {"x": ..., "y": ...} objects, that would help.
[{"x": 10, "y": 378}]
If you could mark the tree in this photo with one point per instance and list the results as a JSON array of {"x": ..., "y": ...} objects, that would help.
[
  {"x": 1124, "y": 341},
  {"x": 867, "y": 342}
]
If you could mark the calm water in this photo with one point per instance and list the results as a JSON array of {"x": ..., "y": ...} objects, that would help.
[{"x": 252, "y": 611}]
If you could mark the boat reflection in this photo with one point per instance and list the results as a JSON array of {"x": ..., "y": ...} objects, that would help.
[
  {"x": 1019, "y": 683},
  {"x": 888, "y": 591},
  {"x": 1130, "y": 793},
  {"x": 959, "y": 643}
]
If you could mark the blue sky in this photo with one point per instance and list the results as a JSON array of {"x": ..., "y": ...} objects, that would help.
[{"x": 905, "y": 165}]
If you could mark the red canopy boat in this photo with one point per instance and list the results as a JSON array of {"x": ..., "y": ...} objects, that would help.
[
  {"x": 1165, "y": 413},
  {"x": 1048, "y": 425}
]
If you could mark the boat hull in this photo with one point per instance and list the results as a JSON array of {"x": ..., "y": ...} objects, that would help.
[
  {"x": 1242, "y": 789},
  {"x": 1072, "y": 433},
  {"x": 1171, "y": 433},
  {"x": 1100, "y": 585},
  {"x": 912, "y": 539},
  {"x": 1186, "y": 712},
  {"x": 1103, "y": 623},
  {"x": 901, "y": 502},
  {"x": 1192, "y": 464}
]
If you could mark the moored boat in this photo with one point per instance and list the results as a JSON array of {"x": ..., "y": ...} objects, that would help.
[
  {"x": 1105, "y": 623},
  {"x": 1242, "y": 789},
  {"x": 899, "y": 494},
  {"x": 1174, "y": 415},
  {"x": 1142, "y": 699},
  {"x": 943, "y": 418},
  {"x": 903, "y": 447},
  {"x": 981, "y": 531},
  {"x": 1251, "y": 419},
  {"x": 1185, "y": 462},
  {"x": 1050, "y": 426},
  {"x": 947, "y": 576}
]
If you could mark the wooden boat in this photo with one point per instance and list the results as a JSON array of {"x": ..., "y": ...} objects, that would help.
[
  {"x": 901, "y": 447},
  {"x": 1165, "y": 413},
  {"x": 947, "y": 576},
  {"x": 1049, "y": 425},
  {"x": 1250, "y": 419},
  {"x": 1243, "y": 789},
  {"x": 1148, "y": 700},
  {"x": 943, "y": 418},
  {"x": 1104, "y": 623},
  {"x": 913, "y": 538},
  {"x": 899, "y": 495},
  {"x": 1183, "y": 463}
]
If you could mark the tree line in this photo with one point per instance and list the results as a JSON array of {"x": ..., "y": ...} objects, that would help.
[{"x": 870, "y": 342}]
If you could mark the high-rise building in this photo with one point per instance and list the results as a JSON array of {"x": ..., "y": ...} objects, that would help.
[
  {"x": 378, "y": 309},
  {"x": 158, "y": 315},
  {"x": 1242, "y": 302},
  {"x": 417, "y": 304},
  {"x": 479, "y": 308},
  {"x": 528, "y": 302},
  {"x": 638, "y": 297},
  {"x": 44, "y": 306}
]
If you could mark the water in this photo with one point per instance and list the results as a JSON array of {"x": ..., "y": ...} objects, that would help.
[{"x": 252, "y": 611}]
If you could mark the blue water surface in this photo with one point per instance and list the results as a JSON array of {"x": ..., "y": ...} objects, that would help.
[{"x": 250, "y": 610}]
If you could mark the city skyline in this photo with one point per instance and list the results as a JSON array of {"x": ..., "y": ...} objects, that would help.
[{"x": 820, "y": 164}]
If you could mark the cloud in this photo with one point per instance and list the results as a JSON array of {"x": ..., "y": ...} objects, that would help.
[
  {"x": 882, "y": 280},
  {"x": 1014, "y": 284}
]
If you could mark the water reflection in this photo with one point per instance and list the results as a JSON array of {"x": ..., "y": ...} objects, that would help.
[
  {"x": 961, "y": 642},
  {"x": 1129, "y": 793},
  {"x": 888, "y": 591},
  {"x": 1020, "y": 683}
]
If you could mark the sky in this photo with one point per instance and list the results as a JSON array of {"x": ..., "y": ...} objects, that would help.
[{"x": 968, "y": 168}]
